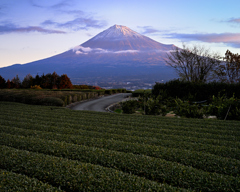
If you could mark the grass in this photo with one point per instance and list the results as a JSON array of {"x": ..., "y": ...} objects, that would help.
[{"x": 54, "y": 148}]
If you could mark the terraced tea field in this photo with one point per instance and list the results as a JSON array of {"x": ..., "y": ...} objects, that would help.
[{"x": 56, "y": 149}]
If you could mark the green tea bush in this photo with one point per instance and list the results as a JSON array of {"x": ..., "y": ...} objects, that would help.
[
  {"x": 12, "y": 182},
  {"x": 73, "y": 175}
]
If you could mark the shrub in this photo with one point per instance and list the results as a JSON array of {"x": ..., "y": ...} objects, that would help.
[
  {"x": 188, "y": 109},
  {"x": 108, "y": 92},
  {"x": 225, "y": 108},
  {"x": 130, "y": 106}
]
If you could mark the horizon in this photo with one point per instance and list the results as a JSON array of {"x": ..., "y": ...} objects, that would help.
[{"x": 31, "y": 30}]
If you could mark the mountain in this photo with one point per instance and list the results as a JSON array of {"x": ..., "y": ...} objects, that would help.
[{"x": 116, "y": 54}]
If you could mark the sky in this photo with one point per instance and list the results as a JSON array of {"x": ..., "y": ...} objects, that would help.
[{"x": 31, "y": 30}]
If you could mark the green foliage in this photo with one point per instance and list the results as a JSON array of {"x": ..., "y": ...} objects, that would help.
[
  {"x": 225, "y": 108},
  {"x": 140, "y": 92},
  {"x": 154, "y": 106},
  {"x": 130, "y": 106},
  {"x": 12, "y": 182},
  {"x": 74, "y": 175},
  {"x": 188, "y": 109}
]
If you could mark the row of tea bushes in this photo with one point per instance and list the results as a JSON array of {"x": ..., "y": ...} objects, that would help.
[
  {"x": 12, "y": 182},
  {"x": 73, "y": 175},
  {"x": 211, "y": 163}
]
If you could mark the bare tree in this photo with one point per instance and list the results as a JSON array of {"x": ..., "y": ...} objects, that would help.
[{"x": 195, "y": 64}]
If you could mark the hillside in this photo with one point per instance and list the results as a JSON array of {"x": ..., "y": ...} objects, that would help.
[{"x": 50, "y": 147}]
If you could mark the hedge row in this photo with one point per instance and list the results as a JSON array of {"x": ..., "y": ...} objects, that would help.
[
  {"x": 119, "y": 133},
  {"x": 152, "y": 136},
  {"x": 130, "y": 122},
  {"x": 195, "y": 91},
  {"x": 12, "y": 182},
  {"x": 73, "y": 175},
  {"x": 211, "y": 163},
  {"x": 45, "y": 97},
  {"x": 215, "y": 127}
]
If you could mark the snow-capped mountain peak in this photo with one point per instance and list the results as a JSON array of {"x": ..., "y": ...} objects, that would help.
[{"x": 116, "y": 32}]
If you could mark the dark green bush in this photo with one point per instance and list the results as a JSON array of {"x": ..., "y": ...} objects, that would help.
[
  {"x": 188, "y": 109},
  {"x": 108, "y": 92},
  {"x": 225, "y": 108},
  {"x": 130, "y": 106},
  {"x": 198, "y": 91}
]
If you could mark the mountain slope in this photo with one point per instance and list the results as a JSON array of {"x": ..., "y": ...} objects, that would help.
[{"x": 117, "y": 52}]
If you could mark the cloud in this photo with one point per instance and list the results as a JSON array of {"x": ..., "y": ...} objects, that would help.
[
  {"x": 77, "y": 23},
  {"x": 148, "y": 30},
  {"x": 11, "y": 28},
  {"x": 85, "y": 50},
  {"x": 233, "y": 20},
  {"x": 49, "y": 4},
  {"x": 231, "y": 39}
]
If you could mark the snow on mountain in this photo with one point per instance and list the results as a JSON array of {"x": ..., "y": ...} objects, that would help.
[{"x": 117, "y": 32}]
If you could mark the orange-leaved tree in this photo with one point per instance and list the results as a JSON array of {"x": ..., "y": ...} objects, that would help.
[{"x": 65, "y": 82}]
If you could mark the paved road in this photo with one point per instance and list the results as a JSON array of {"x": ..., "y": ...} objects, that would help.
[{"x": 101, "y": 103}]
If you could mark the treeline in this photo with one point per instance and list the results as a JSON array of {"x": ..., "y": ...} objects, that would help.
[{"x": 48, "y": 81}]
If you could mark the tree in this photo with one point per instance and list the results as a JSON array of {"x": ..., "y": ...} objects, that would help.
[
  {"x": 2, "y": 82},
  {"x": 46, "y": 81},
  {"x": 37, "y": 80},
  {"x": 229, "y": 70},
  {"x": 54, "y": 80},
  {"x": 64, "y": 82},
  {"x": 27, "y": 81},
  {"x": 16, "y": 83},
  {"x": 8, "y": 84},
  {"x": 195, "y": 64}
]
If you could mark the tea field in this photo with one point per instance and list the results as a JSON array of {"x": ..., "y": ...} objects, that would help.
[{"x": 44, "y": 148}]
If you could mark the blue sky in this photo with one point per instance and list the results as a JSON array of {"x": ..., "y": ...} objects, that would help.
[{"x": 32, "y": 29}]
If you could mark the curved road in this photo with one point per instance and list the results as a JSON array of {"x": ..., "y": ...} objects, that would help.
[{"x": 101, "y": 103}]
